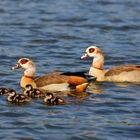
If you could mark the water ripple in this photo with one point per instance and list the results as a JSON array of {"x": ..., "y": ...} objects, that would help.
[{"x": 55, "y": 34}]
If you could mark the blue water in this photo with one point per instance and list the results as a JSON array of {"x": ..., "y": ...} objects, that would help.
[{"x": 55, "y": 33}]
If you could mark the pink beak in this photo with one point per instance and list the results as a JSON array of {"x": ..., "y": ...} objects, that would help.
[
  {"x": 17, "y": 66},
  {"x": 85, "y": 55}
]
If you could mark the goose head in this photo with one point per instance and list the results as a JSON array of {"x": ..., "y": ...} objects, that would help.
[
  {"x": 98, "y": 56},
  {"x": 92, "y": 51},
  {"x": 26, "y": 64}
]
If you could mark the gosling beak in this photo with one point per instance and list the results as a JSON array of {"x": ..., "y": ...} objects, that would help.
[
  {"x": 17, "y": 66},
  {"x": 85, "y": 55}
]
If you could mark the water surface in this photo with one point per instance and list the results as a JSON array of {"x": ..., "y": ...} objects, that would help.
[{"x": 55, "y": 33}]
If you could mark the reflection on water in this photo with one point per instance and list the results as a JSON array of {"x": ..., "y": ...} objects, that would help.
[
  {"x": 99, "y": 87},
  {"x": 96, "y": 88},
  {"x": 55, "y": 34},
  {"x": 126, "y": 84}
]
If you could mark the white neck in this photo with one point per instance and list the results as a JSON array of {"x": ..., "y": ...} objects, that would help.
[
  {"x": 98, "y": 61},
  {"x": 96, "y": 68},
  {"x": 30, "y": 72}
]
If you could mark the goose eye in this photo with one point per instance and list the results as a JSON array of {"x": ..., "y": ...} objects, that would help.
[
  {"x": 23, "y": 61},
  {"x": 91, "y": 50}
]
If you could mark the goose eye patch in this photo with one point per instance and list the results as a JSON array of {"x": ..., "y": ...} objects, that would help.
[
  {"x": 23, "y": 61},
  {"x": 91, "y": 50}
]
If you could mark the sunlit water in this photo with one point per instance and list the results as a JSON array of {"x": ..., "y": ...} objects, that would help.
[{"x": 55, "y": 33}]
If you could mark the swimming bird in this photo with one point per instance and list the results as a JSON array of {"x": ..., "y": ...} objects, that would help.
[
  {"x": 51, "y": 100},
  {"x": 32, "y": 92},
  {"x": 4, "y": 91},
  {"x": 17, "y": 98},
  {"x": 122, "y": 73},
  {"x": 53, "y": 81}
]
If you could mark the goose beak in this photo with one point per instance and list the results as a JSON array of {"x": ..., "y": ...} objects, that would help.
[
  {"x": 17, "y": 66},
  {"x": 85, "y": 55}
]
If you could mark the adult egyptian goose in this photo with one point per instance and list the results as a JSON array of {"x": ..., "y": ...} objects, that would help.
[
  {"x": 123, "y": 73},
  {"x": 54, "y": 81}
]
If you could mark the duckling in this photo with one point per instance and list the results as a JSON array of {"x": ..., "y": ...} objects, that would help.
[
  {"x": 4, "y": 91},
  {"x": 32, "y": 92},
  {"x": 51, "y": 100},
  {"x": 17, "y": 98}
]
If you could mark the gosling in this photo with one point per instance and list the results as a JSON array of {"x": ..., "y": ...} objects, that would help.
[
  {"x": 17, "y": 98},
  {"x": 51, "y": 100},
  {"x": 32, "y": 92}
]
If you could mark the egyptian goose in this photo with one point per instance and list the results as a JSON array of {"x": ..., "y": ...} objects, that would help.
[
  {"x": 51, "y": 100},
  {"x": 32, "y": 92},
  {"x": 123, "y": 73},
  {"x": 17, "y": 98},
  {"x": 54, "y": 81}
]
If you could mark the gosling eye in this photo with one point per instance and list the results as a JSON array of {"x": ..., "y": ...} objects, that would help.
[{"x": 91, "y": 50}]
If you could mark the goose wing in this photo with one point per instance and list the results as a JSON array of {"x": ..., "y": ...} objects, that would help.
[
  {"x": 72, "y": 78},
  {"x": 123, "y": 68}
]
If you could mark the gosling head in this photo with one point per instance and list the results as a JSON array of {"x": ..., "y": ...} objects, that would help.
[
  {"x": 11, "y": 92},
  {"x": 28, "y": 87},
  {"x": 48, "y": 96},
  {"x": 3, "y": 91},
  {"x": 60, "y": 100}
]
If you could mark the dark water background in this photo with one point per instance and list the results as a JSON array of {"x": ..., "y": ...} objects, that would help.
[{"x": 55, "y": 33}]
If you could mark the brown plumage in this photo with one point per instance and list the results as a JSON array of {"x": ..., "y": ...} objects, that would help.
[
  {"x": 4, "y": 91},
  {"x": 50, "y": 99},
  {"x": 123, "y": 68},
  {"x": 122, "y": 73},
  {"x": 58, "y": 77},
  {"x": 54, "y": 81},
  {"x": 17, "y": 98},
  {"x": 32, "y": 92}
]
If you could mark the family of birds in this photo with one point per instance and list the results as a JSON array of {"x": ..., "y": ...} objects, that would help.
[
  {"x": 28, "y": 94},
  {"x": 44, "y": 86}
]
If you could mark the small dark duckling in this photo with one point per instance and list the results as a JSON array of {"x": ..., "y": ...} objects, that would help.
[
  {"x": 4, "y": 91},
  {"x": 17, "y": 98},
  {"x": 32, "y": 92},
  {"x": 51, "y": 100}
]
